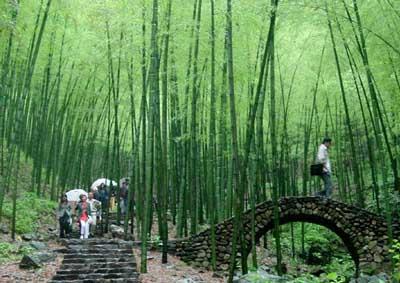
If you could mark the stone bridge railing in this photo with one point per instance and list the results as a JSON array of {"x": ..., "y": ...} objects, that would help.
[{"x": 362, "y": 232}]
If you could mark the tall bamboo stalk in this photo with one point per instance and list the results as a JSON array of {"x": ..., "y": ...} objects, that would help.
[
  {"x": 355, "y": 166},
  {"x": 237, "y": 236}
]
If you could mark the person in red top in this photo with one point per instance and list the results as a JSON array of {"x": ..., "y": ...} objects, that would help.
[{"x": 84, "y": 214}]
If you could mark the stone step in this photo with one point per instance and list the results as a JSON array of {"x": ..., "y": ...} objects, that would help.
[
  {"x": 95, "y": 242},
  {"x": 101, "y": 247},
  {"x": 87, "y": 244},
  {"x": 87, "y": 270},
  {"x": 77, "y": 266},
  {"x": 97, "y": 260},
  {"x": 95, "y": 256},
  {"x": 108, "y": 255},
  {"x": 96, "y": 276},
  {"x": 67, "y": 269},
  {"x": 120, "y": 280},
  {"x": 103, "y": 259},
  {"x": 96, "y": 251}
]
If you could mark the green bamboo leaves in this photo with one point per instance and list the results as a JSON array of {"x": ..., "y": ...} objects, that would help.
[{"x": 205, "y": 118}]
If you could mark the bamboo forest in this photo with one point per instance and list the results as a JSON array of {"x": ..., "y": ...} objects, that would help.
[{"x": 200, "y": 141}]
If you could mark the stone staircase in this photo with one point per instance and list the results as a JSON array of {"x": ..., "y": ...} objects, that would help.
[{"x": 97, "y": 260}]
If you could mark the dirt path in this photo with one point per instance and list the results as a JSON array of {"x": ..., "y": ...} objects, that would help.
[
  {"x": 173, "y": 271},
  {"x": 10, "y": 272}
]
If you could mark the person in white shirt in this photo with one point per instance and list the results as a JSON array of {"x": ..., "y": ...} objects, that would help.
[{"x": 323, "y": 158}]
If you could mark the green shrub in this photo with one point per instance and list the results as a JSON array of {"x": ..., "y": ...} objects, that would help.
[
  {"x": 395, "y": 253},
  {"x": 30, "y": 209},
  {"x": 335, "y": 278},
  {"x": 306, "y": 278},
  {"x": 7, "y": 251},
  {"x": 344, "y": 264},
  {"x": 316, "y": 234},
  {"x": 12, "y": 252},
  {"x": 25, "y": 249}
]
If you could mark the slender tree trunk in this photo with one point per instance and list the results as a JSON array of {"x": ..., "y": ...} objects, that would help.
[
  {"x": 212, "y": 142},
  {"x": 238, "y": 229},
  {"x": 154, "y": 93}
]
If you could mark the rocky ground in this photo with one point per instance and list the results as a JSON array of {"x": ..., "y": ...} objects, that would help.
[
  {"x": 175, "y": 271},
  {"x": 11, "y": 272}
]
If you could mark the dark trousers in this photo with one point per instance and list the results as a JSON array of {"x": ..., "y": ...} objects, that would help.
[
  {"x": 65, "y": 228},
  {"x": 326, "y": 177}
]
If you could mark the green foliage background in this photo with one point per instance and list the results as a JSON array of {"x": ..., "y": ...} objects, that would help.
[
  {"x": 32, "y": 211},
  {"x": 301, "y": 33}
]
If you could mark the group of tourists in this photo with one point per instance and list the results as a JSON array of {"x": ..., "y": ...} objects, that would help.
[{"x": 87, "y": 212}]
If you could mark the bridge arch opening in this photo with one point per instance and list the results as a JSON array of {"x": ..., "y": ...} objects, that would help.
[{"x": 317, "y": 220}]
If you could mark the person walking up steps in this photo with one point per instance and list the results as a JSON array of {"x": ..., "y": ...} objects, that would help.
[
  {"x": 95, "y": 208},
  {"x": 124, "y": 196},
  {"x": 84, "y": 216},
  {"x": 64, "y": 217},
  {"x": 323, "y": 158}
]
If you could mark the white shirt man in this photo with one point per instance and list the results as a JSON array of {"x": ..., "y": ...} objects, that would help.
[{"x": 323, "y": 158}]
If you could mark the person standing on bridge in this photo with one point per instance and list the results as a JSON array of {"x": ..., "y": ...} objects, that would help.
[{"x": 323, "y": 158}]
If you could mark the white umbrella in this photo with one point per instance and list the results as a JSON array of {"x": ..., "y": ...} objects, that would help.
[
  {"x": 104, "y": 181},
  {"x": 73, "y": 195}
]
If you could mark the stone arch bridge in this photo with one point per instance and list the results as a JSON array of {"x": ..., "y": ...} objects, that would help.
[{"x": 362, "y": 232}]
